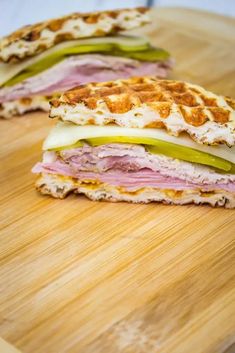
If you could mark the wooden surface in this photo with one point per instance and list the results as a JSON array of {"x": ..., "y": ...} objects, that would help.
[
  {"x": 7, "y": 348},
  {"x": 87, "y": 277}
]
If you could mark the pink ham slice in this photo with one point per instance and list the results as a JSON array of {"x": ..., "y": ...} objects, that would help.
[
  {"x": 130, "y": 180},
  {"x": 82, "y": 69}
]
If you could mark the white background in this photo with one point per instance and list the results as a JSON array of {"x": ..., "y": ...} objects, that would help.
[{"x": 16, "y": 13}]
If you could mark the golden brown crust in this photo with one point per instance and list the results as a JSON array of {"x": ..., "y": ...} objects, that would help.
[
  {"x": 194, "y": 106},
  {"x": 40, "y": 36},
  {"x": 130, "y": 93}
]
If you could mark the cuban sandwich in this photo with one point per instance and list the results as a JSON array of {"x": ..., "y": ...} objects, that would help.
[
  {"x": 39, "y": 61},
  {"x": 141, "y": 140}
]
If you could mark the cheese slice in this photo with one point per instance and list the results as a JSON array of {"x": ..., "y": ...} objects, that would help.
[
  {"x": 9, "y": 70},
  {"x": 67, "y": 134}
]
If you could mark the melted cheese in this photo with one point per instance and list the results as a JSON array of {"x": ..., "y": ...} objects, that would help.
[{"x": 65, "y": 134}]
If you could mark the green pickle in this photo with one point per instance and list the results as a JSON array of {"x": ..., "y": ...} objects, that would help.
[
  {"x": 190, "y": 155},
  {"x": 97, "y": 141},
  {"x": 151, "y": 54},
  {"x": 169, "y": 149}
]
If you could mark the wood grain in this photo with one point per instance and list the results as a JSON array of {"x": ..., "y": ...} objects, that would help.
[{"x": 82, "y": 276}]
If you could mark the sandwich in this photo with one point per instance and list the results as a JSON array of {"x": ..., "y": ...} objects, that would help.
[
  {"x": 39, "y": 61},
  {"x": 141, "y": 140}
]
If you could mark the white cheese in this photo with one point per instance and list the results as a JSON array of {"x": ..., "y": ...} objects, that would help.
[{"x": 65, "y": 134}]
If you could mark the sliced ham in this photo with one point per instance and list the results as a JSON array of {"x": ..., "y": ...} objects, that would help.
[
  {"x": 134, "y": 157},
  {"x": 129, "y": 180},
  {"x": 81, "y": 69},
  {"x": 132, "y": 167}
]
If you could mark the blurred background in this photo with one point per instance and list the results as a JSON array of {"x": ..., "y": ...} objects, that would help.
[{"x": 16, "y": 13}]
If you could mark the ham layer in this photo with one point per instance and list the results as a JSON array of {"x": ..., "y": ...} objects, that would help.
[
  {"x": 132, "y": 167},
  {"x": 82, "y": 69}
]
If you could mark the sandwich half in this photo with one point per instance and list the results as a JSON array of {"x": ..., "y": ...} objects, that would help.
[
  {"x": 141, "y": 140},
  {"x": 38, "y": 62}
]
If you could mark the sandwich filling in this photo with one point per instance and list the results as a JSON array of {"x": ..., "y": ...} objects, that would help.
[
  {"x": 80, "y": 61},
  {"x": 75, "y": 70},
  {"x": 134, "y": 166}
]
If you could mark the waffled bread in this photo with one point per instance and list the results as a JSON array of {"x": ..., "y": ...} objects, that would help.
[
  {"x": 59, "y": 187},
  {"x": 25, "y": 105},
  {"x": 145, "y": 102},
  {"x": 33, "y": 39}
]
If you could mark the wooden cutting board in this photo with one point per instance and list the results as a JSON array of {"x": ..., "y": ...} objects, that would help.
[{"x": 90, "y": 277}]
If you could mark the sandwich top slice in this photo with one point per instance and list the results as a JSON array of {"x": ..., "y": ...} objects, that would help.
[
  {"x": 39, "y": 61},
  {"x": 141, "y": 140},
  {"x": 33, "y": 39}
]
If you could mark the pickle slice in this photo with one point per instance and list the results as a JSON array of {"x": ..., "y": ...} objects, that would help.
[
  {"x": 190, "y": 155},
  {"x": 151, "y": 54}
]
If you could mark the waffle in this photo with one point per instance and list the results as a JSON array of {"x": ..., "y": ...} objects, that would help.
[
  {"x": 60, "y": 186},
  {"x": 34, "y": 39},
  {"x": 25, "y": 105},
  {"x": 147, "y": 102}
]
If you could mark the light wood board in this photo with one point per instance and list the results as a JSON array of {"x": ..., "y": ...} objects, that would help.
[
  {"x": 81, "y": 276},
  {"x": 7, "y": 348}
]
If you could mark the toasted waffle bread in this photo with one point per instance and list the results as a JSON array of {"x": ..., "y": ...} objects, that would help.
[
  {"x": 60, "y": 186},
  {"x": 144, "y": 102},
  {"x": 34, "y": 39},
  {"x": 25, "y": 105}
]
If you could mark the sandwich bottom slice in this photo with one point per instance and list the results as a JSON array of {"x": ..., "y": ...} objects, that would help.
[
  {"x": 129, "y": 172},
  {"x": 25, "y": 105},
  {"x": 59, "y": 186}
]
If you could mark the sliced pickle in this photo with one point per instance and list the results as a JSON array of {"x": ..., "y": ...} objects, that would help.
[
  {"x": 151, "y": 54},
  {"x": 97, "y": 141},
  {"x": 190, "y": 155},
  {"x": 232, "y": 170}
]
